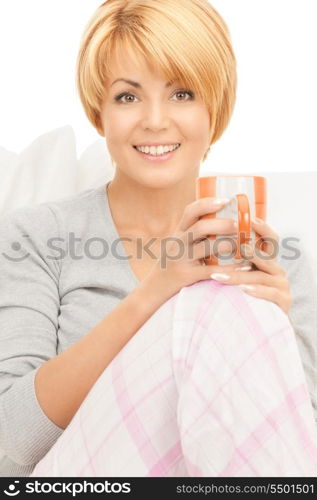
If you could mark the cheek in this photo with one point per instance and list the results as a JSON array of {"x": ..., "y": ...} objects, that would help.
[
  {"x": 196, "y": 126},
  {"x": 118, "y": 128}
]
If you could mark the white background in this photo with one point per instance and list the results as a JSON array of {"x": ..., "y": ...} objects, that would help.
[{"x": 274, "y": 123}]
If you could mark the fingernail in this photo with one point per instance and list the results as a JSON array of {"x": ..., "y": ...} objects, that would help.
[
  {"x": 244, "y": 268},
  {"x": 247, "y": 287},
  {"x": 220, "y": 277},
  {"x": 259, "y": 221},
  {"x": 220, "y": 201}
]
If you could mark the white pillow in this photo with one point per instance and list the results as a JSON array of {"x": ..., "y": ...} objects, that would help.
[
  {"x": 48, "y": 169},
  {"x": 41, "y": 172},
  {"x": 95, "y": 166}
]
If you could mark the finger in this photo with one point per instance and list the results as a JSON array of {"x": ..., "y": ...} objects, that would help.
[
  {"x": 206, "y": 227},
  {"x": 240, "y": 268},
  {"x": 248, "y": 278},
  {"x": 282, "y": 299},
  {"x": 203, "y": 250},
  {"x": 199, "y": 208},
  {"x": 210, "y": 247},
  {"x": 264, "y": 229},
  {"x": 261, "y": 260},
  {"x": 205, "y": 271},
  {"x": 269, "y": 241},
  {"x": 269, "y": 246}
]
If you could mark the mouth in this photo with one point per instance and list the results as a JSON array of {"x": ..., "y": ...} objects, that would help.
[{"x": 157, "y": 156}]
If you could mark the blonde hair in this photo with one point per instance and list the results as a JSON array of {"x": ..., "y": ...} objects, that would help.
[{"x": 187, "y": 40}]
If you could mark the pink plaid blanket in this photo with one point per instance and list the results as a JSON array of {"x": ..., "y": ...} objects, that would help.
[{"x": 211, "y": 385}]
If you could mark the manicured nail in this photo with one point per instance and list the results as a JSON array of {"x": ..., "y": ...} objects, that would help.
[
  {"x": 220, "y": 277},
  {"x": 258, "y": 221},
  {"x": 244, "y": 268},
  {"x": 247, "y": 287},
  {"x": 220, "y": 201}
]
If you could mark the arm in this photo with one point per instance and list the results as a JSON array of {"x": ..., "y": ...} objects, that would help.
[
  {"x": 29, "y": 308},
  {"x": 63, "y": 382},
  {"x": 40, "y": 391}
]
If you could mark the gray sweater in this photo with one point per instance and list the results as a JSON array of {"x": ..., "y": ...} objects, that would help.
[{"x": 55, "y": 288}]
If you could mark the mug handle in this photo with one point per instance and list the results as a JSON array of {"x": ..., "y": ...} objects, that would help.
[{"x": 244, "y": 223}]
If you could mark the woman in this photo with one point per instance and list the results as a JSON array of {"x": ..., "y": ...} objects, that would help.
[{"x": 182, "y": 375}]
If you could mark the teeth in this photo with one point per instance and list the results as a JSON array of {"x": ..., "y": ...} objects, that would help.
[{"x": 157, "y": 150}]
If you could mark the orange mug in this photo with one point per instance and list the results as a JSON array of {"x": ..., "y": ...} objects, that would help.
[{"x": 248, "y": 199}]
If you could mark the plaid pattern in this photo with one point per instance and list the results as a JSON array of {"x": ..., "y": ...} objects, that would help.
[{"x": 211, "y": 385}]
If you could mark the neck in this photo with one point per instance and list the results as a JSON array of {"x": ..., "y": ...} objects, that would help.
[{"x": 146, "y": 211}]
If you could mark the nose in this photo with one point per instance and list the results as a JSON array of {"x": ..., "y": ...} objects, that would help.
[{"x": 156, "y": 116}]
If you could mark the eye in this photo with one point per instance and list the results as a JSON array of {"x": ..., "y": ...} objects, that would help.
[
  {"x": 120, "y": 96},
  {"x": 183, "y": 92}
]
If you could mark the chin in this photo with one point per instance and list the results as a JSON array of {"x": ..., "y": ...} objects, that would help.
[{"x": 161, "y": 181}]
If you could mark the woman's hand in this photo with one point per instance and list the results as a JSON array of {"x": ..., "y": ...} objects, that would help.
[
  {"x": 182, "y": 256},
  {"x": 268, "y": 280}
]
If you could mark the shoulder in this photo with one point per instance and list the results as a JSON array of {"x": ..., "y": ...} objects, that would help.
[{"x": 47, "y": 216}]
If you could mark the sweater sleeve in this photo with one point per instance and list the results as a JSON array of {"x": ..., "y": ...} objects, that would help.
[
  {"x": 303, "y": 312},
  {"x": 29, "y": 309}
]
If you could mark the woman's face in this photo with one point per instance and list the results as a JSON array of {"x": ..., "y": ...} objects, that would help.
[{"x": 153, "y": 112}]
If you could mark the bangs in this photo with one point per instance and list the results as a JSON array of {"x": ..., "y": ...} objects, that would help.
[{"x": 154, "y": 54}]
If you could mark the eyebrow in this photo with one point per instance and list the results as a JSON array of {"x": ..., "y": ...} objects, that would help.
[{"x": 135, "y": 84}]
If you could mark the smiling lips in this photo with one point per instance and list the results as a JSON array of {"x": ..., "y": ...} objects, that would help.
[{"x": 157, "y": 150}]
